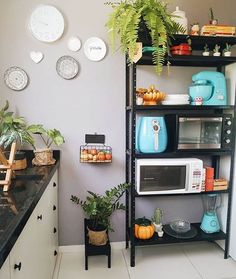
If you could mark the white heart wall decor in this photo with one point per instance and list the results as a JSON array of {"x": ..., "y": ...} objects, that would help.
[{"x": 36, "y": 56}]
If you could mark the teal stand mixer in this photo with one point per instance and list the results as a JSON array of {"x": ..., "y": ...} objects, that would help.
[{"x": 210, "y": 222}]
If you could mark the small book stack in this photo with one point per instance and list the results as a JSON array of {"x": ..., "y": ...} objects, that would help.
[
  {"x": 218, "y": 30},
  {"x": 220, "y": 184}
]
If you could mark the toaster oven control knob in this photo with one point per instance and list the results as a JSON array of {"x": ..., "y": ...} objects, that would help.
[
  {"x": 228, "y": 132},
  {"x": 227, "y": 141},
  {"x": 228, "y": 122}
]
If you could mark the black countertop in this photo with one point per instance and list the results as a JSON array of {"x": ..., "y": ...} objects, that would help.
[{"x": 17, "y": 204}]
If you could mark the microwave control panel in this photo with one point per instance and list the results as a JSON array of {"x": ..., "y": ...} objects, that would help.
[{"x": 227, "y": 130}]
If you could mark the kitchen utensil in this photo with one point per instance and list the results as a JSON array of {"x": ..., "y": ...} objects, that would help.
[
  {"x": 189, "y": 234},
  {"x": 210, "y": 222},
  {"x": 180, "y": 226}
]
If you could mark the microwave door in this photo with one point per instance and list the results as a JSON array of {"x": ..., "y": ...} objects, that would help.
[
  {"x": 162, "y": 179},
  {"x": 200, "y": 133}
]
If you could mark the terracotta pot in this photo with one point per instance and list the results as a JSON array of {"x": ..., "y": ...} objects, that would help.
[{"x": 43, "y": 157}]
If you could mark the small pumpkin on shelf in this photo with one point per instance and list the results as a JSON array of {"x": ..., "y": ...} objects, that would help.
[{"x": 144, "y": 229}]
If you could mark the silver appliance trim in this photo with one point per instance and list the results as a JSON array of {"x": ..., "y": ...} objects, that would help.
[
  {"x": 199, "y": 146},
  {"x": 209, "y": 119}
]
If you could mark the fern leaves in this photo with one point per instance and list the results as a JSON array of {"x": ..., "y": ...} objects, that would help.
[{"x": 123, "y": 23}]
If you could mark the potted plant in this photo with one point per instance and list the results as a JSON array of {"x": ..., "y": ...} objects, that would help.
[
  {"x": 206, "y": 51},
  {"x": 227, "y": 50},
  {"x": 132, "y": 17},
  {"x": 157, "y": 221},
  {"x": 99, "y": 209},
  {"x": 14, "y": 129},
  {"x": 216, "y": 51},
  {"x": 44, "y": 156}
]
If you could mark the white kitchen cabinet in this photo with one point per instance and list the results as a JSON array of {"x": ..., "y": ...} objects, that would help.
[
  {"x": 5, "y": 270},
  {"x": 33, "y": 253}
]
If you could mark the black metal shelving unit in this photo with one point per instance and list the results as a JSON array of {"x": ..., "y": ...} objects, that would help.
[{"x": 132, "y": 109}]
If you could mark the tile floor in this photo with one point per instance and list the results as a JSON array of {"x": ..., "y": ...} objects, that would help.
[{"x": 181, "y": 261}]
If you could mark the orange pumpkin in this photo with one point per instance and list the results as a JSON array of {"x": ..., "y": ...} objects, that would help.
[{"x": 143, "y": 228}]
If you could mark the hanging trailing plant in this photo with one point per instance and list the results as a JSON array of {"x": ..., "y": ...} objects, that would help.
[{"x": 129, "y": 16}]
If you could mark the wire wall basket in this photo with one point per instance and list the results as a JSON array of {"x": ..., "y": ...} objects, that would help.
[{"x": 95, "y": 150}]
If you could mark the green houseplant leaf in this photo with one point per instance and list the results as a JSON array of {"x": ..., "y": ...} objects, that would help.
[
  {"x": 128, "y": 17},
  {"x": 99, "y": 208}
]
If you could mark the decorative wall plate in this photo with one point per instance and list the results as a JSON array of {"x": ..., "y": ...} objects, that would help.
[
  {"x": 46, "y": 23},
  {"x": 16, "y": 78},
  {"x": 67, "y": 67},
  {"x": 95, "y": 49},
  {"x": 36, "y": 56},
  {"x": 74, "y": 44}
]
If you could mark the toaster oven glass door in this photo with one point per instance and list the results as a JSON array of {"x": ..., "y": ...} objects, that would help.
[
  {"x": 162, "y": 178},
  {"x": 200, "y": 133}
]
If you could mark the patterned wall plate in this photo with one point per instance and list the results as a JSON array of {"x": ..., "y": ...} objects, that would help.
[
  {"x": 16, "y": 78},
  {"x": 67, "y": 67}
]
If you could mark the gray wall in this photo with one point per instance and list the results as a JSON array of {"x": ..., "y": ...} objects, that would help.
[{"x": 92, "y": 102}]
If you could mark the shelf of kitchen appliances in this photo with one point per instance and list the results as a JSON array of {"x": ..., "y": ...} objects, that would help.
[
  {"x": 181, "y": 107},
  {"x": 190, "y": 60},
  {"x": 181, "y": 194},
  {"x": 166, "y": 239}
]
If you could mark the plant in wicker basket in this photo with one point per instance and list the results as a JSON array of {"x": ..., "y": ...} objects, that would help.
[
  {"x": 14, "y": 129},
  {"x": 48, "y": 136},
  {"x": 99, "y": 209},
  {"x": 131, "y": 18}
]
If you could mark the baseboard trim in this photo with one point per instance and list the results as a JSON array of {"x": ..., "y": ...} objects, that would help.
[{"x": 80, "y": 248}]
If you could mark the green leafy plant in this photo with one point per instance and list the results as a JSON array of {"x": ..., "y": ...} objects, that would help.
[
  {"x": 206, "y": 48},
  {"x": 227, "y": 48},
  {"x": 99, "y": 208},
  {"x": 13, "y": 128},
  {"x": 216, "y": 48},
  {"x": 158, "y": 213},
  {"x": 129, "y": 16},
  {"x": 48, "y": 136}
]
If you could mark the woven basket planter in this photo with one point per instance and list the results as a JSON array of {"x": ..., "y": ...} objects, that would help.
[{"x": 43, "y": 157}]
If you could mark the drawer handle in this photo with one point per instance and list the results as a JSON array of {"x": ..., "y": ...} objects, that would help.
[
  {"x": 54, "y": 230},
  {"x": 55, "y": 253},
  {"x": 54, "y": 208},
  {"x": 17, "y": 266},
  {"x": 54, "y": 184},
  {"x": 40, "y": 217}
]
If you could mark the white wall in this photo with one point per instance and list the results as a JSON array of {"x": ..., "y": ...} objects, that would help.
[{"x": 92, "y": 102}]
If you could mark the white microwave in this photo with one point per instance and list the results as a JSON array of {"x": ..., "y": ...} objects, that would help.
[{"x": 168, "y": 176}]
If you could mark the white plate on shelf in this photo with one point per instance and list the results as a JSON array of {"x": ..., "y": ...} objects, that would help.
[
  {"x": 175, "y": 102},
  {"x": 95, "y": 49},
  {"x": 177, "y": 97}
]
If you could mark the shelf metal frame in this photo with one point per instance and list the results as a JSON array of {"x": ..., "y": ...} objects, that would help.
[{"x": 131, "y": 110}]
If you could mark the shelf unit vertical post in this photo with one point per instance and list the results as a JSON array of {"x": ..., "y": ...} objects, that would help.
[
  {"x": 127, "y": 140},
  {"x": 132, "y": 163}
]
